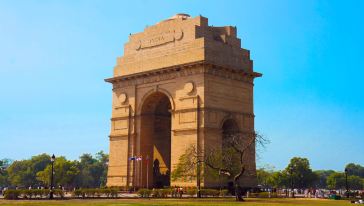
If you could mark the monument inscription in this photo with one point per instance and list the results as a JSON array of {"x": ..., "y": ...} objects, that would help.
[{"x": 159, "y": 39}]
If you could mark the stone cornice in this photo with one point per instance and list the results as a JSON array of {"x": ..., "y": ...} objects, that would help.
[
  {"x": 200, "y": 67},
  {"x": 114, "y": 137},
  {"x": 192, "y": 109}
]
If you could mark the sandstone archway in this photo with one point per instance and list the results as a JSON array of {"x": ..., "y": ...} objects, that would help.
[
  {"x": 198, "y": 71},
  {"x": 155, "y": 141},
  {"x": 229, "y": 127}
]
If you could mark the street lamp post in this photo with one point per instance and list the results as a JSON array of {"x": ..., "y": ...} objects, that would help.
[
  {"x": 53, "y": 158},
  {"x": 346, "y": 183}
]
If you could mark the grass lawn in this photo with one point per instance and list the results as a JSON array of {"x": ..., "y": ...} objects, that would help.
[{"x": 206, "y": 201}]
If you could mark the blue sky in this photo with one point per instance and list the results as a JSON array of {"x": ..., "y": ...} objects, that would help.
[{"x": 54, "y": 56}]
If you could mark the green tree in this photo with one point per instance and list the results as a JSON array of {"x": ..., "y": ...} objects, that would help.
[
  {"x": 264, "y": 176},
  {"x": 279, "y": 179},
  {"x": 4, "y": 164},
  {"x": 65, "y": 172},
  {"x": 355, "y": 169},
  {"x": 89, "y": 171},
  {"x": 336, "y": 180},
  {"x": 300, "y": 173},
  {"x": 4, "y": 178},
  {"x": 322, "y": 175},
  {"x": 186, "y": 169},
  {"x": 355, "y": 182},
  {"x": 93, "y": 171},
  {"x": 85, "y": 179},
  {"x": 102, "y": 161},
  {"x": 23, "y": 173}
]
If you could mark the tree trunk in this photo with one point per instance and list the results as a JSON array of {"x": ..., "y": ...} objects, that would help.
[{"x": 238, "y": 192}]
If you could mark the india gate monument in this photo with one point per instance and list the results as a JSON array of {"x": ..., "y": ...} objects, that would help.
[{"x": 180, "y": 82}]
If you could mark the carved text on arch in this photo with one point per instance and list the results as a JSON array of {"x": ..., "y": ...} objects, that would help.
[{"x": 159, "y": 39}]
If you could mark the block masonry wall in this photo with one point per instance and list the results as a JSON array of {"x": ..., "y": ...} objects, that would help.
[{"x": 207, "y": 78}]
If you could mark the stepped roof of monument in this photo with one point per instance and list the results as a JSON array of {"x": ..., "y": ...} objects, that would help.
[{"x": 181, "y": 40}]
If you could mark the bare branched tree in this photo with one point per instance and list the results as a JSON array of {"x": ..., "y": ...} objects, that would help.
[{"x": 229, "y": 160}]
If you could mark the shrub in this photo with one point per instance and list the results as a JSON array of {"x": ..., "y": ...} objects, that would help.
[
  {"x": 165, "y": 192},
  {"x": 89, "y": 192},
  {"x": 224, "y": 193},
  {"x": 155, "y": 193},
  {"x": 144, "y": 193},
  {"x": 99, "y": 192},
  {"x": 161, "y": 193},
  {"x": 209, "y": 193},
  {"x": 77, "y": 193},
  {"x": 12, "y": 194},
  {"x": 44, "y": 192},
  {"x": 38, "y": 192},
  {"x": 59, "y": 193},
  {"x": 119, "y": 188},
  {"x": 114, "y": 192},
  {"x": 26, "y": 194},
  {"x": 266, "y": 194},
  {"x": 32, "y": 193},
  {"x": 263, "y": 195},
  {"x": 106, "y": 192},
  {"x": 191, "y": 192}
]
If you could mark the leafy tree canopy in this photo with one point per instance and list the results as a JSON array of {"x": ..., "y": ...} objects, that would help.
[
  {"x": 89, "y": 171},
  {"x": 355, "y": 169},
  {"x": 300, "y": 173}
]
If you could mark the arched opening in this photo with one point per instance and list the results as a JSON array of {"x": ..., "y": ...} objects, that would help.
[
  {"x": 155, "y": 142},
  {"x": 230, "y": 127}
]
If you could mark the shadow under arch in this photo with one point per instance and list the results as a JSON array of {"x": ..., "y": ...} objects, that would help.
[
  {"x": 229, "y": 126},
  {"x": 155, "y": 139},
  {"x": 151, "y": 92}
]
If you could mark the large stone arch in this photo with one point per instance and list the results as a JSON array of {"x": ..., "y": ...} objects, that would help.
[
  {"x": 155, "y": 140},
  {"x": 170, "y": 59}
]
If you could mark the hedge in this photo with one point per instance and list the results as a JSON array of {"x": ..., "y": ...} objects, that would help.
[
  {"x": 263, "y": 195},
  {"x": 43, "y": 193},
  {"x": 163, "y": 193},
  {"x": 91, "y": 193},
  {"x": 209, "y": 193},
  {"x": 144, "y": 193},
  {"x": 192, "y": 192},
  {"x": 156, "y": 193},
  {"x": 32, "y": 193},
  {"x": 224, "y": 193}
]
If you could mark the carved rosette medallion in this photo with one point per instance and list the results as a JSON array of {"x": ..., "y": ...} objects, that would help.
[
  {"x": 189, "y": 87},
  {"x": 122, "y": 98},
  {"x": 178, "y": 34}
]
